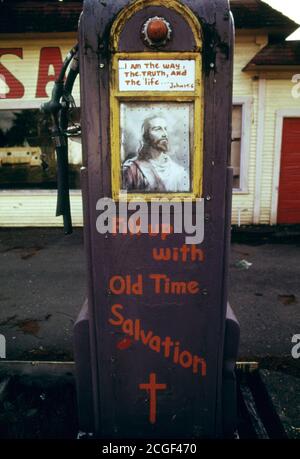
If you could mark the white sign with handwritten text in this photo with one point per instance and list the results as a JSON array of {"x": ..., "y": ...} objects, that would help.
[{"x": 156, "y": 75}]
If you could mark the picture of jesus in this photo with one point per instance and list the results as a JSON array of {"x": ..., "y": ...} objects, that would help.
[{"x": 153, "y": 166}]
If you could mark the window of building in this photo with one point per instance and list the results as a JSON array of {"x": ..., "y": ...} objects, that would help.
[
  {"x": 27, "y": 152},
  {"x": 240, "y": 143},
  {"x": 236, "y": 137}
]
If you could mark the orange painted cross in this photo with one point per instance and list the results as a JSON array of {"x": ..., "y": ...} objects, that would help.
[{"x": 152, "y": 387}]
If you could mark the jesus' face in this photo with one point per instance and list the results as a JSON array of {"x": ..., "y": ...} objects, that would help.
[{"x": 158, "y": 134}]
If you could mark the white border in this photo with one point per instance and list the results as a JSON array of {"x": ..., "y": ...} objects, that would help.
[
  {"x": 246, "y": 102},
  {"x": 280, "y": 115}
]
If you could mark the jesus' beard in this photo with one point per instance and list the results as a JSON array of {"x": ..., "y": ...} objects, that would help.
[{"x": 161, "y": 145}]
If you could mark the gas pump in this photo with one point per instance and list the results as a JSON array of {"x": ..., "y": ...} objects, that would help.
[{"x": 156, "y": 342}]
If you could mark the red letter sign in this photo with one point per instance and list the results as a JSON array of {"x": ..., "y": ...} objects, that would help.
[
  {"x": 48, "y": 56},
  {"x": 16, "y": 89}
]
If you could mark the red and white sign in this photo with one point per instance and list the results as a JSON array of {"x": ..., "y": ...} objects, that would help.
[{"x": 28, "y": 70}]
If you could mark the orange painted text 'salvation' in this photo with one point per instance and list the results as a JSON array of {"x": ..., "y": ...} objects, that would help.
[{"x": 170, "y": 348}]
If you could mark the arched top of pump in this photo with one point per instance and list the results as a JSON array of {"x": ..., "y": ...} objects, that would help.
[{"x": 156, "y": 30}]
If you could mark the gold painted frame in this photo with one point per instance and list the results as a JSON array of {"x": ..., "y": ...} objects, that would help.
[{"x": 195, "y": 96}]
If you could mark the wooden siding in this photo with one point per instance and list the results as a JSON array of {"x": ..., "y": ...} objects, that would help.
[{"x": 27, "y": 209}]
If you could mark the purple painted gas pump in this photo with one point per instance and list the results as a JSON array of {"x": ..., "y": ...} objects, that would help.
[{"x": 156, "y": 341}]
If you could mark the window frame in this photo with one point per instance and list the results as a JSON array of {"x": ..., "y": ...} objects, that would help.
[
  {"x": 11, "y": 104},
  {"x": 246, "y": 103}
]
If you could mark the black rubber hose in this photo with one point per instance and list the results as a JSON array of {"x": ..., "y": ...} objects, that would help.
[
  {"x": 66, "y": 63},
  {"x": 59, "y": 115},
  {"x": 63, "y": 194},
  {"x": 54, "y": 106},
  {"x": 67, "y": 91}
]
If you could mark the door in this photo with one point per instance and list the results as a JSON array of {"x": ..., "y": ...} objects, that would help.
[{"x": 289, "y": 182}]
